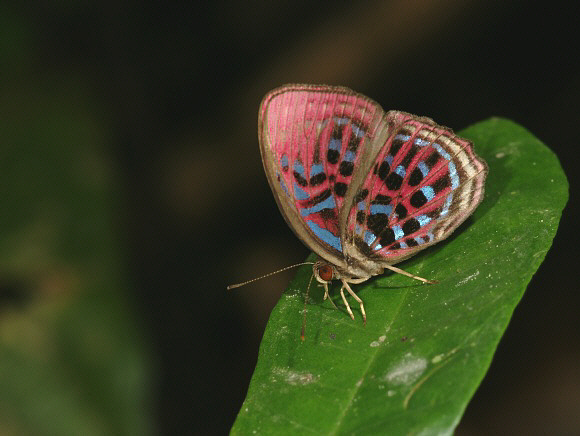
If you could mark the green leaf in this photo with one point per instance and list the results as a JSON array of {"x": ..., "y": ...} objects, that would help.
[
  {"x": 413, "y": 368},
  {"x": 72, "y": 359}
]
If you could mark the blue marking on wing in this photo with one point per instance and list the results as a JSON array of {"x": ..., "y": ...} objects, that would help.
[
  {"x": 402, "y": 137},
  {"x": 421, "y": 142},
  {"x": 298, "y": 168},
  {"x": 361, "y": 205},
  {"x": 441, "y": 151},
  {"x": 446, "y": 205},
  {"x": 316, "y": 169},
  {"x": 341, "y": 121},
  {"x": 398, "y": 232},
  {"x": 284, "y": 161},
  {"x": 403, "y": 244},
  {"x": 423, "y": 219},
  {"x": 454, "y": 175},
  {"x": 349, "y": 156},
  {"x": 400, "y": 170},
  {"x": 381, "y": 208},
  {"x": 370, "y": 237},
  {"x": 325, "y": 235},
  {"x": 335, "y": 144},
  {"x": 358, "y": 131},
  {"x": 419, "y": 240},
  {"x": 389, "y": 159},
  {"x": 423, "y": 168},
  {"x": 428, "y": 192},
  {"x": 299, "y": 193},
  {"x": 329, "y": 203}
]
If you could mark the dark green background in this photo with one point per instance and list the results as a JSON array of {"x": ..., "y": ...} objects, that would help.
[{"x": 172, "y": 91}]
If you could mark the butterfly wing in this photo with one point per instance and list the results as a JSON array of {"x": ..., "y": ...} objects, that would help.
[
  {"x": 424, "y": 182},
  {"x": 311, "y": 140}
]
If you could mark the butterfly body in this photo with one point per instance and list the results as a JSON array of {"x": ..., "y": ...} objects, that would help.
[{"x": 363, "y": 188}]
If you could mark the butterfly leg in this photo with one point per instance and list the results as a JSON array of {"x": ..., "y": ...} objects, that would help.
[
  {"x": 348, "y": 309},
  {"x": 326, "y": 295},
  {"x": 326, "y": 292},
  {"x": 356, "y": 297},
  {"x": 413, "y": 276}
]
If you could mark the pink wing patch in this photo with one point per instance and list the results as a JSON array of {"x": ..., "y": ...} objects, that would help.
[
  {"x": 316, "y": 135},
  {"x": 425, "y": 182}
]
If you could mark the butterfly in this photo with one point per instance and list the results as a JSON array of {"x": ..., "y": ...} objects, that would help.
[{"x": 361, "y": 187}]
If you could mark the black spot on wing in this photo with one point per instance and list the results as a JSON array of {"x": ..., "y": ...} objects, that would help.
[
  {"x": 418, "y": 199},
  {"x": 416, "y": 177},
  {"x": 401, "y": 211},
  {"x": 411, "y": 226},
  {"x": 328, "y": 214},
  {"x": 394, "y": 181},
  {"x": 432, "y": 159},
  {"x": 405, "y": 131},
  {"x": 320, "y": 197},
  {"x": 377, "y": 222},
  {"x": 409, "y": 156},
  {"x": 382, "y": 199},
  {"x": 346, "y": 168},
  {"x": 332, "y": 156},
  {"x": 336, "y": 132},
  {"x": 299, "y": 179},
  {"x": 387, "y": 237},
  {"x": 411, "y": 242},
  {"x": 340, "y": 189},
  {"x": 396, "y": 146},
  {"x": 318, "y": 179},
  {"x": 441, "y": 183},
  {"x": 384, "y": 169}
]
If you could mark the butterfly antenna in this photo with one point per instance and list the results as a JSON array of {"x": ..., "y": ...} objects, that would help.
[
  {"x": 304, "y": 311},
  {"x": 268, "y": 275}
]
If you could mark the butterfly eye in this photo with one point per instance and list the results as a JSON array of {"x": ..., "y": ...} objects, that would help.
[{"x": 325, "y": 272}]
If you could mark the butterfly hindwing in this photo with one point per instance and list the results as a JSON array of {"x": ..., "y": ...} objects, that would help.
[
  {"x": 364, "y": 189},
  {"x": 311, "y": 139},
  {"x": 424, "y": 182}
]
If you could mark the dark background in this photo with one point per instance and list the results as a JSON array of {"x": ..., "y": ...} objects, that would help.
[{"x": 177, "y": 88}]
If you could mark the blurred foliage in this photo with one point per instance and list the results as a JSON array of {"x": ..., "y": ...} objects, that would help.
[{"x": 72, "y": 358}]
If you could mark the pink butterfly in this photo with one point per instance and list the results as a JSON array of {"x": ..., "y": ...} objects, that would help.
[{"x": 362, "y": 188}]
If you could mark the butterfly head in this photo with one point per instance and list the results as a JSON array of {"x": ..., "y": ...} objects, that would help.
[{"x": 324, "y": 271}]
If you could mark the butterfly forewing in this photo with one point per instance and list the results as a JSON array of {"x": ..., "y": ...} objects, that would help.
[
  {"x": 424, "y": 182},
  {"x": 362, "y": 188},
  {"x": 312, "y": 138}
]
